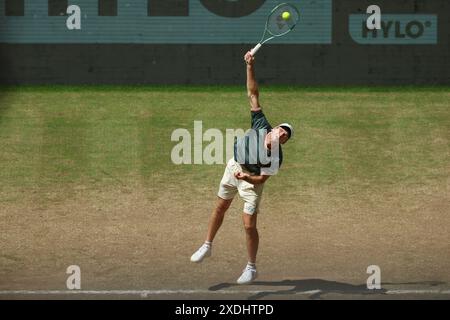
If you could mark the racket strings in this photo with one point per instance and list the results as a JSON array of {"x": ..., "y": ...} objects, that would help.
[{"x": 277, "y": 25}]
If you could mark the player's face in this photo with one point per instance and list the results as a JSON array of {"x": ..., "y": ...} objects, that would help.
[{"x": 281, "y": 133}]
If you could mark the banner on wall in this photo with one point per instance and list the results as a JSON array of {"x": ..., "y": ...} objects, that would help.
[{"x": 158, "y": 21}]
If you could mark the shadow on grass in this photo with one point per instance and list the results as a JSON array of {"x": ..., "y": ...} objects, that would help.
[{"x": 315, "y": 288}]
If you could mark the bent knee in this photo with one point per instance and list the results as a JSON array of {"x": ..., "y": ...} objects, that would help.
[
  {"x": 250, "y": 228},
  {"x": 222, "y": 206}
]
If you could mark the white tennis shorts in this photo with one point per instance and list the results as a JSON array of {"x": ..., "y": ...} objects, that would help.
[{"x": 229, "y": 186}]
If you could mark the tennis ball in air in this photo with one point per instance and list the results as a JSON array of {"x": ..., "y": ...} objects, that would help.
[{"x": 286, "y": 15}]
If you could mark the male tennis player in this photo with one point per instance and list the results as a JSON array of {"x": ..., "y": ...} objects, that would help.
[{"x": 257, "y": 156}]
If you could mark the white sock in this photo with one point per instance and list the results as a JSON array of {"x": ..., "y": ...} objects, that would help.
[
  {"x": 208, "y": 244},
  {"x": 251, "y": 265}
]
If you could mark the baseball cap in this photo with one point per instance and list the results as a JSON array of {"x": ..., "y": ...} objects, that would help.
[{"x": 288, "y": 128}]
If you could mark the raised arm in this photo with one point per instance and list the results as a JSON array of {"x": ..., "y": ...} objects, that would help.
[{"x": 252, "y": 85}]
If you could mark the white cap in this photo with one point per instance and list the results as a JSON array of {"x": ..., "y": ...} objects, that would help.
[{"x": 287, "y": 125}]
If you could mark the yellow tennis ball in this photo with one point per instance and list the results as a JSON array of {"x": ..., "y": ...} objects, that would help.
[{"x": 286, "y": 15}]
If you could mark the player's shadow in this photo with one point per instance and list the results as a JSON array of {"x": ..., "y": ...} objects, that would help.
[{"x": 314, "y": 287}]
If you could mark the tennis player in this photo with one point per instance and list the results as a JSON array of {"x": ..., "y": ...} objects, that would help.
[{"x": 257, "y": 156}]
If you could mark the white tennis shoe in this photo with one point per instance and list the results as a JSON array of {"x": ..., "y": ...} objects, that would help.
[
  {"x": 248, "y": 275},
  {"x": 203, "y": 252}
]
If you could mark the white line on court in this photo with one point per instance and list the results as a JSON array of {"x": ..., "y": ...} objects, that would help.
[
  {"x": 145, "y": 293},
  {"x": 418, "y": 291},
  {"x": 142, "y": 293}
]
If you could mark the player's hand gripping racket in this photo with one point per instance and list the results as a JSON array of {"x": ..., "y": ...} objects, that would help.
[{"x": 281, "y": 20}]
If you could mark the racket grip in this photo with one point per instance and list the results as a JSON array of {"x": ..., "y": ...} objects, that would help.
[{"x": 255, "y": 49}]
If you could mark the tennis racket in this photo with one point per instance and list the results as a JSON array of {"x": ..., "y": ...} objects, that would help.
[{"x": 280, "y": 21}]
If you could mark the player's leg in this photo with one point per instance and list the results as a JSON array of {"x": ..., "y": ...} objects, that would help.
[
  {"x": 249, "y": 274},
  {"x": 216, "y": 219},
  {"x": 251, "y": 194},
  {"x": 252, "y": 236},
  {"x": 227, "y": 191}
]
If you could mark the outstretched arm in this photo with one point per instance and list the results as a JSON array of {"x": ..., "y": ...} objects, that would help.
[{"x": 252, "y": 85}]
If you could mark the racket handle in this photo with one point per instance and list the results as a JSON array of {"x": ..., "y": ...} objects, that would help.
[{"x": 255, "y": 49}]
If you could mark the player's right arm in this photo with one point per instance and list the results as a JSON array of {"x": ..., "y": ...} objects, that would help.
[{"x": 252, "y": 85}]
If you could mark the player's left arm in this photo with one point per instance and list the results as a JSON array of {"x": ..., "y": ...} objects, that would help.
[{"x": 251, "y": 179}]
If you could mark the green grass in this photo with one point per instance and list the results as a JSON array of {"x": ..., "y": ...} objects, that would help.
[{"x": 350, "y": 138}]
